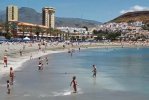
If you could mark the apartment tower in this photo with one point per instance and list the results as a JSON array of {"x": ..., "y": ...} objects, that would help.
[
  {"x": 48, "y": 17},
  {"x": 11, "y": 13}
]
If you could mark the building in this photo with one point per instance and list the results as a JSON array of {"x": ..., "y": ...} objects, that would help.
[
  {"x": 48, "y": 17},
  {"x": 27, "y": 29},
  {"x": 11, "y": 13}
]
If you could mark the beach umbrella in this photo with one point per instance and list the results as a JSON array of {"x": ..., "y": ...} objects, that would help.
[{"x": 26, "y": 38}]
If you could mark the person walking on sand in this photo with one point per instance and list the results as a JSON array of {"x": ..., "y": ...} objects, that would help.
[
  {"x": 11, "y": 75},
  {"x": 94, "y": 71},
  {"x": 8, "y": 87},
  {"x": 5, "y": 61},
  {"x": 31, "y": 56},
  {"x": 74, "y": 83}
]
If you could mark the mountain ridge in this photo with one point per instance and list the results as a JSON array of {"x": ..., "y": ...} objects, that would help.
[
  {"x": 133, "y": 16},
  {"x": 30, "y": 15}
]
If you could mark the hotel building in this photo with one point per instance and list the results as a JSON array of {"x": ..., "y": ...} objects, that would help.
[
  {"x": 11, "y": 13},
  {"x": 48, "y": 17}
]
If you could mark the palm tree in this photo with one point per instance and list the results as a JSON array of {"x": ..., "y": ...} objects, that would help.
[
  {"x": 7, "y": 27},
  {"x": 47, "y": 32},
  {"x": 37, "y": 31},
  {"x": 1, "y": 28},
  {"x": 23, "y": 29},
  {"x": 51, "y": 31}
]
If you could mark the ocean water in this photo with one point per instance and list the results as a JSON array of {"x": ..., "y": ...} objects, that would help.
[{"x": 122, "y": 74}]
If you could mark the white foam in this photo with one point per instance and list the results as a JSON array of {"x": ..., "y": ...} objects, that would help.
[{"x": 66, "y": 92}]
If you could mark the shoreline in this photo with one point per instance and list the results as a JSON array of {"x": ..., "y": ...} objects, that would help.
[{"x": 17, "y": 61}]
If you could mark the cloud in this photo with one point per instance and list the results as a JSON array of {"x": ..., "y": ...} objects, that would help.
[{"x": 135, "y": 8}]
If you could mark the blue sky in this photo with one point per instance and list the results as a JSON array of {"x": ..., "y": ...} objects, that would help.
[{"x": 99, "y": 10}]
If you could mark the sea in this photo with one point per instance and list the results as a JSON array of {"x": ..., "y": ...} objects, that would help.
[{"x": 122, "y": 74}]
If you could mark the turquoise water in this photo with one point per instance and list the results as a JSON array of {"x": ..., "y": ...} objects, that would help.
[
  {"x": 123, "y": 74},
  {"x": 127, "y": 68}
]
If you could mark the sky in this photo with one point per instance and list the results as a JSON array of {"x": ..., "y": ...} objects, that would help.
[{"x": 98, "y": 10}]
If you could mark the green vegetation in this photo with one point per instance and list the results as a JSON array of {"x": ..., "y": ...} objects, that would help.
[
  {"x": 109, "y": 35},
  {"x": 8, "y": 35}
]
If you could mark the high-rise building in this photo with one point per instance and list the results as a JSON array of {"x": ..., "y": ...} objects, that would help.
[
  {"x": 48, "y": 17},
  {"x": 11, "y": 13}
]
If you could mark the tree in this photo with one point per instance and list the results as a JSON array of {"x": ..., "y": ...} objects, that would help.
[
  {"x": 8, "y": 35},
  {"x": 23, "y": 29},
  {"x": 83, "y": 38},
  {"x": 112, "y": 35},
  {"x": 85, "y": 28},
  {"x": 37, "y": 31},
  {"x": 99, "y": 37},
  {"x": 145, "y": 27}
]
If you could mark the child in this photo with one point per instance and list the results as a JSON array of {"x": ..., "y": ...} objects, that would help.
[
  {"x": 74, "y": 82},
  {"x": 8, "y": 87}
]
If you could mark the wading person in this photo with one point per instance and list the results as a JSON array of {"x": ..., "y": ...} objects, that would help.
[
  {"x": 94, "y": 71},
  {"x": 8, "y": 87},
  {"x": 11, "y": 75},
  {"x": 74, "y": 83}
]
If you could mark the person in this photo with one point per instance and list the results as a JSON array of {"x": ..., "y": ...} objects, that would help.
[
  {"x": 11, "y": 75},
  {"x": 5, "y": 61},
  {"x": 31, "y": 56},
  {"x": 74, "y": 83},
  {"x": 63, "y": 46},
  {"x": 20, "y": 52},
  {"x": 40, "y": 65},
  {"x": 94, "y": 71},
  {"x": 79, "y": 49},
  {"x": 8, "y": 87},
  {"x": 39, "y": 47},
  {"x": 47, "y": 60}
]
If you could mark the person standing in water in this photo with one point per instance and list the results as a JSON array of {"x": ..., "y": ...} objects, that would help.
[
  {"x": 47, "y": 60},
  {"x": 8, "y": 87},
  {"x": 94, "y": 71},
  {"x": 74, "y": 83},
  {"x": 11, "y": 75}
]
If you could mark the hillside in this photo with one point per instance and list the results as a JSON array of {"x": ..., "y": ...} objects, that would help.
[
  {"x": 133, "y": 16},
  {"x": 32, "y": 16}
]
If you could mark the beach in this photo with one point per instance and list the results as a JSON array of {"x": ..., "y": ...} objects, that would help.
[
  {"x": 32, "y": 49},
  {"x": 37, "y": 81}
]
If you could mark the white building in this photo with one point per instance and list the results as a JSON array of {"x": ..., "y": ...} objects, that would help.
[{"x": 73, "y": 30}]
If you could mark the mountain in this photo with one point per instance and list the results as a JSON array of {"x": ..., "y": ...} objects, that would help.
[
  {"x": 29, "y": 15},
  {"x": 32, "y": 16},
  {"x": 133, "y": 16},
  {"x": 75, "y": 22}
]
